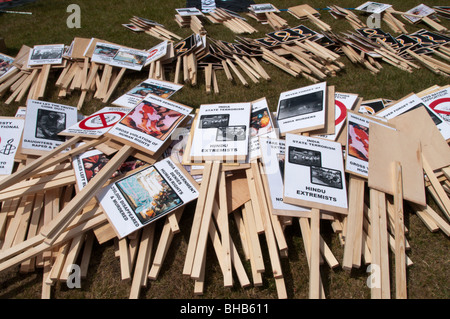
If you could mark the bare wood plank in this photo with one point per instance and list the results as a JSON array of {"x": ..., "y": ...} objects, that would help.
[
  {"x": 314, "y": 267},
  {"x": 400, "y": 254}
]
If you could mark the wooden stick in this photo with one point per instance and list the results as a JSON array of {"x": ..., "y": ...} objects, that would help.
[
  {"x": 143, "y": 259},
  {"x": 400, "y": 255},
  {"x": 223, "y": 224},
  {"x": 206, "y": 220},
  {"x": 354, "y": 217},
  {"x": 314, "y": 267},
  {"x": 114, "y": 85},
  {"x": 193, "y": 238},
  {"x": 375, "y": 239},
  {"x": 442, "y": 195}
]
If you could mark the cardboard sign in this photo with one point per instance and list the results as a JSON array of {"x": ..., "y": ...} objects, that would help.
[
  {"x": 43, "y": 123},
  {"x": 302, "y": 109},
  {"x": 147, "y": 195},
  {"x": 150, "y": 123},
  {"x": 187, "y": 12},
  {"x": 11, "y": 129},
  {"x": 388, "y": 146},
  {"x": 46, "y": 54},
  {"x": 439, "y": 101},
  {"x": 373, "y": 7},
  {"x": 157, "y": 52},
  {"x": 116, "y": 55},
  {"x": 343, "y": 102},
  {"x": 260, "y": 125},
  {"x": 263, "y": 8},
  {"x": 273, "y": 160},
  {"x": 412, "y": 102},
  {"x": 163, "y": 89},
  {"x": 6, "y": 64},
  {"x": 357, "y": 151},
  {"x": 222, "y": 132},
  {"x": 96, "y": 124},
  {"x": 320, "y": 165}
]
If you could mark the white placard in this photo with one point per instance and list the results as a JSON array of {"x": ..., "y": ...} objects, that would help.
[
  {"x": 150, "y": 123},
  {"x": 163, "y": 89},
  {"x": 147, "y": 195},
  {"x": 185, "y": 12},
  {"x": 98, "y": 123},
  {"x": 314, "y": 174},
  {"x": 343, "y": 102},
  {"x": 46, "y": 54},
  {"x": 6, "y": 64},
  {"x": 157, "y": 52},
  {"x": 439, "y": 102},
  {"x": 262, "y": 8},
  {"x": 116, "y": 55},
  {"x": 273, "y": 160},
  {"x": 261, "y": 124},
  {"x": 222, "y": 131},
  {"x": 302, "y": 109},
  {"x": 11, "y": 129},
  {"x": 421, "y": 11},
  {"x": 43, "y": 123},
  {"x": 373, "y": 7}
]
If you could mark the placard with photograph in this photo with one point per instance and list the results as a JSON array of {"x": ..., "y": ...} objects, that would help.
[
  {"x": 343, "y": 102},
  {"x": 6, "y": 64},
  {"x": 421, "y": 11},
  {"x": 302, "y": 109},
  {"x": 263, "y": 8},
  {"x": 261, "y": 124},
  {"x": 357, "y": 150},
  {"x": 147, "y": 195},
  {"x": 89, "y": 164},
  {"x": 439, "y": 101},
  {"x": 46, "y": 54},
  {"x": 273, "y": 160},
  {"x": 116, "y": 55},
  {"x": 96, "y": 124},
  {"x": 320, "y": 165},
  {"x": 186, "y": 12},
  {"x": 222, "y": 132},
  {"x": 160, "y": 88},
  {"x": 373, "y": 7},
  {"x": 371, "y": 106},
  {"x": 150, "y": 123},
  {"x": 157, "y": 52},
  {"x": 11, "y": 129},
  {"x": 43, "y": 123},
  {"x": 104, "y": 52}
]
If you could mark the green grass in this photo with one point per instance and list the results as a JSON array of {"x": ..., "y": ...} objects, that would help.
[{"x": 428, "y": 278}]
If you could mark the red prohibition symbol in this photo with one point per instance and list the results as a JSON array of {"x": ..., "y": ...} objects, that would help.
[
  {"x": 84, "y": 124},
  {"x": 343, "y": 110},
  {"x": 437, "y": 102}
]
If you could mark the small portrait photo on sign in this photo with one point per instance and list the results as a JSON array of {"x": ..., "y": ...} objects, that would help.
[
  {"x": 304, "y": 157},
  {"x": 214, "y": 121},
  {"x": 260, "y": 122},
  {"x": 326, "y": 177},
  {"x": 148, "y": 194},
  {"x": 106, "y": 51},
  {"x": 154, "y": 120},
  {"x": 231, "y": 133},
  {"x": 49, "y": 124},
  {"x": 301, "y": 105},
  {"x": 358, "y": 141}
]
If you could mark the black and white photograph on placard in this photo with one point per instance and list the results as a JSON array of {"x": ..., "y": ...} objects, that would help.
[
  {"x": 49, "y": 123},
  {"x": 326, "y": 177},
  {"x": 214, "y": 121},
  {"x": 46, "y": 54},
  {"x": 302, "y": 109},
  {"x": 232, "y": 133},
  {"x": 306, "y": 157}
]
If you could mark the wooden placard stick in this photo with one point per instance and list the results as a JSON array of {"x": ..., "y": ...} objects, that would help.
[
  {"x": 43, "y": 78},
  {"x": 74, "y": 250},
  {"x": 215, "y": 83},
  {"x": 441, "y": 194},
  {"x": 206, "y": 220},
  {"x": 143, "y": 260},
  {"x": 114, "y": 85},
  {"x": 353, "y": 237},
  {"x": 238, "y": 215},
  {"x": 86, "y": 256},
  {"x": 254, "y": 249},
  {"x": 124, "y": 257},
  {"x": 314, "y": 267},
  {"x": 193, "y": 238},
  {"x": 400, "y": 255},
  {"x": 222, "y": 220},
  {"x": 257, "y": 210},
  {"x": 235, "y": 258},
  {"x": 178, "y": 69},
  {"x": 227, "y": 70},
  {"x": 236, "y": 71},
  {"x": 375, "y": 291},
  {"x": 208, "y": 77},
  {"x": 102, "y": 89}
]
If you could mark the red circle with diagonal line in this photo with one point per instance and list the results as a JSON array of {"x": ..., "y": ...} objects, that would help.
[
  {"x": 102, "y": 117},
  {"x": 343, "y": 110},
  {"x": 434, "y": 104}
]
